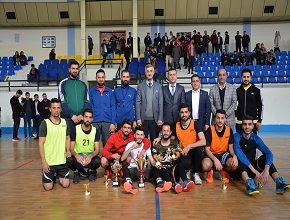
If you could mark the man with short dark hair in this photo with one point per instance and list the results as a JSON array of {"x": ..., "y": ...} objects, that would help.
[
  {"x": 16, "y": 107},
  {"x": 29, "y": 112},
  {"x": 249, "y": 101},
  {"x": 36, "y": 117},
  {"x": 45, "y": 103},
  {"x": 90, "y": 45},
  {"x": 245, "y": 145}
]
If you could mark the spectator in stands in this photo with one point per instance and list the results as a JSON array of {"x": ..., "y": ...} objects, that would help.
[
  {"x": 265, "y": 52},
  {"x": 29, "y": 112},
  {"x": 45, "y": 104},
  {"x": 153, "y": 57},
  {"x": 261, "y": 58},
  {"x": 227, "y": 41},
  {"x": 16, "y": 113},
  {"x": 110, "y": 54},
  {"x": 277, "y": 41},
  {"x": 122, "y": 43},
  {"x": 161, "y": 54},
  {"x": 225, "y": 58},
  {"x": 147, "y": 40},
  {"x": 127, "y": 55},
  {"x": 32, "y": 73},
  {"x": 113, "y": 39},
  {"x": 146, "y": 55},
  {"x": 191, "y": 54},
  {"x": 176, "y": 54},
  {"x": 16, "y": 58},
  {"x": 200, "y": 51},
  {"x": 247, "y": 58},
  {"x": 233, "y": 58},
  {"x": 213, "y": 39},
  {"x": 206, "y": 41},
  {"x": 185, "y": 44},
  {"x": 271, "y": 57},
  {"x": 118, "y": 47},
  {"x": 90, "y": 45},
  {"x": 130, "y": 41},
  {"x": 245, "y": 41},
  {"x": 254, "y": 58},
  {"x": 52, "y": 54},
  {"x": 104, "y": 52},
  {"x": 241, "y": 59},
  {"x": 238, "y": 39},
  {"x": 22, "y": 59},
  {"x": 168, "y": 55},
  {"x": 257, "y": 47},
  {"x": 219, "y": 43}
]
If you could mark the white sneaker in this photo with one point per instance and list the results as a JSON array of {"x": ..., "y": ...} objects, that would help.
[
  {"x": 188, "y": 174},
  {"x": 197, "y": 179}
]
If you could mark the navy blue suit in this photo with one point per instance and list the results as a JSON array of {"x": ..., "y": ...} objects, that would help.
[{"x": 204, "y": 110}]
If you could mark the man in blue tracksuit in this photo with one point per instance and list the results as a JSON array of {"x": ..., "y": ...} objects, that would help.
[
  {"x": 102, "y": 103},
  {"x": 245, "y": 145},
  {"x": 125, "y": 97}
]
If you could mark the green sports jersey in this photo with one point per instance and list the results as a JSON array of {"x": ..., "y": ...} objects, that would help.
[
  {"x": 85, "y": 143},
  {"x": 55, "y": 142}
]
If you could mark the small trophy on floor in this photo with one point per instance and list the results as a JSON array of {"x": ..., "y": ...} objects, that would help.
[
  {"x": 116, "y": 167},
  {"x": 141, "y": 163},
  {"x": 87, "y": 192},
  {"x": 224, "y": 186},
  {"x": 106, "y": 180}
]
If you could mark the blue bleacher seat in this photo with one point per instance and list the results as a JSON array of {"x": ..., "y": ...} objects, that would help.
[
  {"x": 197, "y": 69},
  {"x": 237, "y": 80},
  {"x": 273, "y": 73},
  {"x": 256, "y": 80},
  {"x": 204, "y": 68},
  {"x": 213, "y": 68},
  {"x": 282, "y": 79},
  {"x": 30, "y": 58},
  {"x": 203, "y": 80},
  {"x": 271, "y": 80},
  {"x": 266, "y": 67},
  {"x": 232, "y": 74},
  {"x": 63, "y": 61},
  {"x": 208, "y": 74},
  {"x": 46, "y": 62},
  {"x": 282, "y": 73},
  {"x": 141, "y": 70},
  {"x": 54, "y": 62},
  {"x": 52, "y": 74},
  {"x": 212, "y": 81},
  {"x": 229, "y": 80}
]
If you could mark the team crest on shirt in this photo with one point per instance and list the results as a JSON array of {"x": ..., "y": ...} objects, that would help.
[{"x": 252, "y": 93}]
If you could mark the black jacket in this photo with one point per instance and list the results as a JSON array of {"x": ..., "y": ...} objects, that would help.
[
  {"x": 249, "y": 103},
  {"x": 16, "y": 107}
]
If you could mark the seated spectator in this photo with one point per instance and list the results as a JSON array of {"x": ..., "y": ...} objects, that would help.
[
  {"x": 225, "y": 58},
  {"x": 22, "y": 59},
  {"x": 33, "y": 73},
  {"x": 161, "y": 54},
  {"x": 265, "y": 52},
  {"x": 146, "y": 55},
  {"x": 271, "y": 57},
  {"x": 254, "y": 58},
  {"x": 257, "y": 48},
  {"x": 153, "y": 57},
  {"x": 16, "y": 58},
  {"x": 241, "y": 58},
  {"x": 52, "y": 54},
  {"x": 261, "y": 58},
  {"x": 233, "y": 58},
  {"x": 247, "y": 58}
]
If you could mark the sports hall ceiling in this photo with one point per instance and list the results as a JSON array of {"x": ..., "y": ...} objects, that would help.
[{"x": 119, "y": 12}]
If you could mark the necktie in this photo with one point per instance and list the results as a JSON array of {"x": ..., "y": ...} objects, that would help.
[
  {"x": 149, "y": 84},
  {"x": 172, "y": 90}
]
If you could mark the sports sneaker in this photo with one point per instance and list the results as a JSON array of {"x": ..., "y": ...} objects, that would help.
[
  {"x": 76, "y": 178},
  {"x": 94, "y": 172},
  {"x": 83, "y": 172},
  {"x": 209, "y": 177},
  {"x": 187, "y": 185},
  {"x": 16, "y": 139},
  {"x": 91, "y": 177},
  {"x": 163, "y": 186},
  {"x": 281, "y": 185},
  {"x": 197, "y": 179},
  {"x": 128, "y": 186},
  {"x": 188, "y": 174},
  {"x": 251, "y": 188},
  {"x": 177, "y": 188},
  {"x": 108, "y": 173},
  {"x": 225, "y": 175}
]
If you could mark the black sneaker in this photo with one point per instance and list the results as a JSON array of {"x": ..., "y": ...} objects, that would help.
[
  {"x": 91, "y": 177},
  {"x": 83, "y": 173},
  {"x": 76, "y": 178}
]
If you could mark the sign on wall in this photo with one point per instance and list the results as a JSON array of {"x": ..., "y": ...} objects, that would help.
[{"x": 48, "y": 42}]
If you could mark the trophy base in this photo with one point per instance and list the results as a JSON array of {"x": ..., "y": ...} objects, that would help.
[
  {"x": 224, "y": 187},
  {"x": 87, "y": 193},
  {"x": 116, "y": 183},
  {"x": 141, "y": 185}
]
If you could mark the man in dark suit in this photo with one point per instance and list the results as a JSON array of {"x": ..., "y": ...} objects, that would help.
[
  {"x": 127, "y": 55},
  {"x": 149, "y": 104},
  {"x": 173, "y": 96},
  {"x": 199, "y": 103}
]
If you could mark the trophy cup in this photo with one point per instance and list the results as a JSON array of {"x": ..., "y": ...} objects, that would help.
[
  {"x": 224, "y": 186},
  {"x": 116, "y": 169},
  {"x": 87, "y": 192},
  {"x": 106, "y": 180},
  {"x": 141, "y": 163},
  {"x": 157, "y": 157},
  {"x": 168, "y": 152},
  {"x": 260, "y": 184}
]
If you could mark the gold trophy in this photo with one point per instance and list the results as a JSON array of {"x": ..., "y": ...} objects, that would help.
[
  {"x": 157, "y": 157},
  {"x": 168, "y": 152},
  {"x": 106, "y": 180},
  {"x": 87, "y": 192},
  {"x": 116, "y": 167},
  {"x": 141, "y": 163},
  {"x": 224, "y": 186}
]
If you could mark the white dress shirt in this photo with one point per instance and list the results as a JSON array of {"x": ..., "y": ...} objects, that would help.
[{"x": 195, "y": 104}]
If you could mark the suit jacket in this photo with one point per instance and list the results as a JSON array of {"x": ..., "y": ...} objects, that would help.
[
  {"x": 171, "y": 103},
  {"x": 230, "y": 102},
  {"x": 204, "y": 110},
  {"x": 141, "y": 101}
]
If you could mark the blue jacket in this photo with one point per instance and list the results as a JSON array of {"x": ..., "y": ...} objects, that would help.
[
  {"x": 246, "y": 149},
  {"x": 125, "y": 98},
  {"x": 103, "y": 105}
]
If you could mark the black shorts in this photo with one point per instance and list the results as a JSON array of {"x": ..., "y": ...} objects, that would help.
[
  {"x": 222, "y": 158},
  {"x": 61, "y": 170}
]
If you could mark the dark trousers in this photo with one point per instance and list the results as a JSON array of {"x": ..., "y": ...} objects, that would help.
[
  {"x": 206, "y": 48},
  {"x": 127, "y": 62},
  {"x": 191, "y": 63},
  {"x": 104, "y": 59},
  {"x": 238, "y": 47},
  {"x": 192, "y": 161},
  {"x": 90, "y": 51},
  {"x": 214, "y": 48},
  {"x": 16, "y": 123},
  {"x": 36, "y": 124},
  {"x": 151, "y": 128},
  {"x": 72, "y": 163}
]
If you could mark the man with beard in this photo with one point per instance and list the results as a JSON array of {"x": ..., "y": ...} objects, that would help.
[
  {"x": 245, "y": 145},
  {"x": 249, "y": 102},
  {"x": 45, "y": 103},
  {"x": 192, "y": 141},
  {"x": 102, "y": 103},
  {"x": 73, "y": 94},
  {"x": 54, "y": 147},
  {"x": 116, "y": 144},
  {"x": 131, "y": 154},
  {"x": 125, "y": 98},
  {"x": 169, "y": 168},
  {"x": 85, "y": 147},
  {"x": 220, "y": 155}
]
